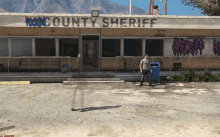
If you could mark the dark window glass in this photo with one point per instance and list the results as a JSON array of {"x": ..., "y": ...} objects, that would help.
[
  {"x": 21, "y": 47},
  {"x": 4, "y": 47},
  {"x": 69, "y": 47},
  {"x": 154, "y": 47},
  {"x": 90, "y": 37},
  {"x": 110, "y": 47},
  {"x": 45, "y": 47},
  {"x": 132, "y": 47}
]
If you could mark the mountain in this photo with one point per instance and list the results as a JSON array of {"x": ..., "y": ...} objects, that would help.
[{"x": 66, "y": 6}]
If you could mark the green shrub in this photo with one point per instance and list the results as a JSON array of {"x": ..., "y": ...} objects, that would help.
[
  {"x": 192, "y": 76},
  {"x": 202, "y": 77},
  {"x": 218, "y": 77},
  {"x": 172, "y": 77},
  {"x": 213, "y": 77},
  {"x": 178, "y": 78},
  {"x": 187, "y": 76},
  {"x": 175, "y": 78},
  {"x": 182, "y": 77},
  {"x": 196, "y": 78}
]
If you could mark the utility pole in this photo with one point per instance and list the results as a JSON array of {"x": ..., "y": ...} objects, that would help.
[
  {"x": 165, "y": 7},
  {"x": 152, "y": 11},
  {"x": 130, "y": 6},
  {"x": 149, "y": 7}
]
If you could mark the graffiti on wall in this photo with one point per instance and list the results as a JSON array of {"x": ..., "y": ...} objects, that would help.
[
  {"x": 185, "y": 47},
  {"x": 216, "y": 47},
  {"x": 36, "y": 22}
]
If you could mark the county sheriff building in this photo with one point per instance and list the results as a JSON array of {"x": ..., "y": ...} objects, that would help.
[{"x": 108, "y": 42}]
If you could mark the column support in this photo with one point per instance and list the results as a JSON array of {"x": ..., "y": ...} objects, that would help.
[
  {"x": 122, "y": 48},
  {"x": 100, "y": 49},
  {"x": 9, "y": 47},
  {"x": 143, "y": 46},
  {"x": 33, "y": 47},
  {"x": 57, "y": 46},
  {"x": 80, "y": 47}
]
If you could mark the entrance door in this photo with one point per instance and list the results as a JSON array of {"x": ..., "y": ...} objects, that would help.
[{"x": 90, "y": 55}]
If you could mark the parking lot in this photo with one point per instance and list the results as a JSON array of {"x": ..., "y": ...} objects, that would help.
[{"x": 128, "y": 110}]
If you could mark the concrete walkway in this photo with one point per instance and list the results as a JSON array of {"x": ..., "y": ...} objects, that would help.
[
  {"x": 59, "y": 77},
  {"x": 92, "y": 73}
]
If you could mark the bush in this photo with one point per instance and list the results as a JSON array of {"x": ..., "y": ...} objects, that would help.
[
  {"x": 192, "y": 76},
  {"x": 173, "y": 78},
  {"x": 189, "y": 76},
  {"x": 182, "y": 78},
  {"x": 218, "y": 77},
  {"x": 202, "y": 77},
  {"x": 213, "y": 78}
]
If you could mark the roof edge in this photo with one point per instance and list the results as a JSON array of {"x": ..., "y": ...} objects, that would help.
[{"x": 107, "y": 15}]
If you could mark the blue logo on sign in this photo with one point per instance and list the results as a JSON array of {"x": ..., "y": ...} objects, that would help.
[{"x": 35, "y": 22}]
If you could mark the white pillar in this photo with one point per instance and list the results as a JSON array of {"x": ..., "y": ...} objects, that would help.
[
  {"x": 122, "y": 48},
  {"x": 9, "y": 47},
  {"x": 33, "y": 47},
  {"x": 57, "y": 46},
  {"x": 130, "y": 6},
  {"x": 143, "y": 46}
]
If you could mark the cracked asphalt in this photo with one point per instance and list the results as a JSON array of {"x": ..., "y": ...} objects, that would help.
[{"x": 113, "y": 110}]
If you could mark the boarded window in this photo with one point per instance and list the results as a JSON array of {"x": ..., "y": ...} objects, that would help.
[
  {"x": 69, "y": 47},
  {"x": 132, "y": 47},
  {"x": 21, "y": 47},
  {"x": 45, "y": 47},
  {"x": 110, "y": 47},
  {"x": 154, "y": 47},
  {"x": 4, "y": 47}
]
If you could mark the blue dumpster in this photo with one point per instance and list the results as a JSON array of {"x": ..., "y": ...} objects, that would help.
[{"x": 155, "y": 74}]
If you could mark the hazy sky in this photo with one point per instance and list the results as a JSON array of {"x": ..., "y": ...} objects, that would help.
[{"x": 174, "y": 7}]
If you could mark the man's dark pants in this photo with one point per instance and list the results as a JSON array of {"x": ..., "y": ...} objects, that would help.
[{"x": 145, "y": 72}]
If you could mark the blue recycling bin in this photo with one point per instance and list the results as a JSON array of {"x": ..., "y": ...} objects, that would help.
[{"x": 155, "y": 74}]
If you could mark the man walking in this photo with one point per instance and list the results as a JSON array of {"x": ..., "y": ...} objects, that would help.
[{"x": 144, "y": 69}]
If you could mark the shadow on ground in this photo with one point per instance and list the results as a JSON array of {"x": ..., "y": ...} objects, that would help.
[
  {"x": 155, "y": 84},
  {"x": 96, "y": 108},
  {"x": 6, "y": 128}
]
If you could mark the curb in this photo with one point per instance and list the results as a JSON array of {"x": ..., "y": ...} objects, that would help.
[
  {"x": 92, "y": 82},
  {"x": 14, "y": 82}
]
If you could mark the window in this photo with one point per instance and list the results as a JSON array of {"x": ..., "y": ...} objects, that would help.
[
  {"x": 45, "y": 47},
  {"x": 110, "y": 47},
  {"x": 21, "y": 47},
  {"x": 132, "y": 47},
  {"x": 154, "y": 47},
  {"x": 69, "y": 47},
  {"x": 4, "y": 47}
]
